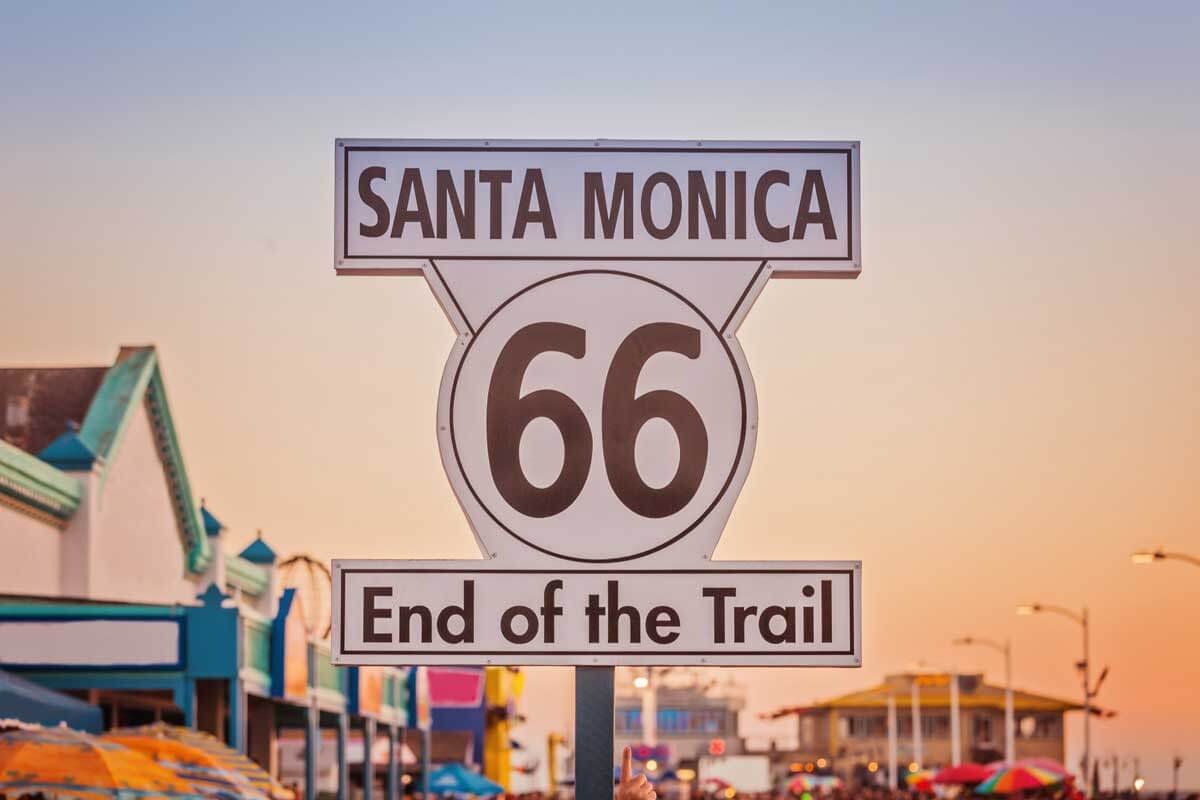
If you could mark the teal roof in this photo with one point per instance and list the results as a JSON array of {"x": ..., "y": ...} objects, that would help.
[
  {"x": 212, "y": 525},
  {"x": 36, "y": 484},
  {"x": 69, "y": 452},
  {"x": 259, "y": 552},
  {"x": 249, "y": 577},
  {"x": 135, "y": 378}
]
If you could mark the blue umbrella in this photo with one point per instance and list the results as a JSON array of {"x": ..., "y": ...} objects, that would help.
[
  {"x": 457, "y": 779},
  {"x": 29, "y": 702}
]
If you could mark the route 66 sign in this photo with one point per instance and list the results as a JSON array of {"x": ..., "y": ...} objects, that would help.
[{"x": 597, "y": 417}]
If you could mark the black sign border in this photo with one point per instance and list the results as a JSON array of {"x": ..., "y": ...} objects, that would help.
[
  {"x": 598, "y": 651},
  {"x": 739, "y": 455},
  {"x": 347, "y": 149}
]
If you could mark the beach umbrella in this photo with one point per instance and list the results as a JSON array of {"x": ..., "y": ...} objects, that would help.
[
  {"x": 204, "y": 770},
  {"x": 813, "y": 783},
  {"x": 1048, "y": 764},
  {"x": 215, "y": 768},
  {"x": 964, "y": 774},
  {"x": 63, "y": 763},
  {"x": 457, "y": 779},
  {"x": 713, "y": 786},
  {"x": 1015, "y": 777},
  {"x": 920, "y": 781}
]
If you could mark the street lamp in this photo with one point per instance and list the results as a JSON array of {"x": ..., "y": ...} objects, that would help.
[
  {"x": 1010, "y": 723},
  {"x": 1151, "y": 556},
  {"x": 1085, "y": 666}
]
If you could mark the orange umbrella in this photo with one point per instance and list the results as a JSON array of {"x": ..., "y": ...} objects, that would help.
[
  {"x": 68, "y": 764},
  {"x": 202, "y": 769},
  {"x": 204, "y": 760}
]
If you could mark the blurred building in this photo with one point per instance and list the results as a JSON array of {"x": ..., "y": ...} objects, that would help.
[
  {"x": 117, "y": 587},
  {"x": 848, "y": 735},
  {"x": 694, "y": 714}
]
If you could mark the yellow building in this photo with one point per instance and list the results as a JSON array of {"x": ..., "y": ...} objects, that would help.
[{"x": 849, "y": 734}]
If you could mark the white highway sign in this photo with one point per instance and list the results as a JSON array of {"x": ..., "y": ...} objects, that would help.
[
  {"x": 726, "y": 614},
  {"x": 597, "y": 417},
  {"x": 402, "y": 202}
]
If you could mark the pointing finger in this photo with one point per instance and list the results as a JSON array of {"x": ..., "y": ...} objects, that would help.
[{"x": 626, "y": 764}]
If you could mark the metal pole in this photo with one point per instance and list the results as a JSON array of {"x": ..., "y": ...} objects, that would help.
[
  {"x": 393, "y": 775},
  {"x": 594, "y": 703},
  {"x": 1010, "y": 721},
  {"x": 893, "y": 768},
  {"x": 343, "y": 735},
  {"x": 1087, "y": 708},
  {"x": 368, "y": 763},
  {"x": 955, "y": 732},
  {"x": 312, "y": 749},
  {"x": 918, "y": 749},
  {"x": 426, "y": 760}
]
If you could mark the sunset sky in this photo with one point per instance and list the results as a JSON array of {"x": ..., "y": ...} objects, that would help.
[{"x": 999, "y": 410}]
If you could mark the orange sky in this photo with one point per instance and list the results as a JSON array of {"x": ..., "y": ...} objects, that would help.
[{"x": 999, "y": 410}]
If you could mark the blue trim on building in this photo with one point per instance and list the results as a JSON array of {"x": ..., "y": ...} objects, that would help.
[{"x": 279, "y": 645}]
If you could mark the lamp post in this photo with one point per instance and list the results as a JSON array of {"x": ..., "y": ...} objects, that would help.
[
  {"x": 1085, "y": 666},
  {"x": 893, "y": 736},
  {"x": 1010, "y": 722},
  {"x": 1114, "y": 761},
  {"x": 1151, "y": 556}
]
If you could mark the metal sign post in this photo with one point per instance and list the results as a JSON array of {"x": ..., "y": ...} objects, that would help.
[
  {"x": 594, "y": 706},
  {"x": 597, "y": 417}
]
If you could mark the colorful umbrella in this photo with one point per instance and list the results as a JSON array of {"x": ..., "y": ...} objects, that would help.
[
  {"x": 1015, "y": 777},
  {"x": 813, "y": 783},
  {"x": 63, "y": 763},
  {"x": 964, "y": 774},
  {"x": 713, "y": 786},
  {"x": 1048, "y": 764},
  {"x": 214, "y": 767},
  {"x": 920, "y": 781}
]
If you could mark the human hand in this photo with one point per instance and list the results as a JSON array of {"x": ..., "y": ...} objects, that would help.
[{"x": 632, "y": 788}]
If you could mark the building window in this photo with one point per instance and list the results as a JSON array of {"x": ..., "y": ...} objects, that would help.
[
  {"x": 806, "y": 730},
  {"x": 629, "y": 720},
  {"x": 16, "y": 415},
  {"x": 865, "y": 726},
  {"x": 1040, "y": 726},
  {"x": 983, "y": 729},
  {"x": 935, "y": 726},
  {"x": 685, "y": 721}
]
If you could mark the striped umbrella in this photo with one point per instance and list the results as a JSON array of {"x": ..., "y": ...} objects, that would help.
[
  {"x": 1015, "y": 777},
  {"x": 963, "y": 774},
  {"x": 70, "y": 765},
  {"x": 203, "y": 769},
  {"x": 214, "y": 767}
]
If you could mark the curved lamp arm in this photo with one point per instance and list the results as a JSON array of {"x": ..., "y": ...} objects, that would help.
[{"x": 1150, "y": 556}]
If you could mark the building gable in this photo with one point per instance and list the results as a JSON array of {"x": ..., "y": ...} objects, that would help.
[
  {"x": 137, "y": 553},
  {"x": 134, "y": 385}
]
